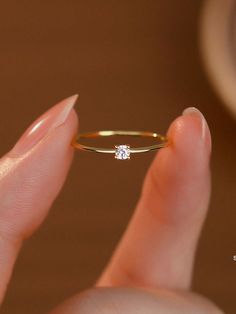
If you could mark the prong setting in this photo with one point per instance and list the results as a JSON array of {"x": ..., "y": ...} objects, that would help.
[{"x": 122, "y": 152}]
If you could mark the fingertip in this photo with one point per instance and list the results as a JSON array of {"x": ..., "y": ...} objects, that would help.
[
  {"x": 190, "y": 135},
  {"x": 184, "y": 163},
  {"x": 35, "y": 178}
]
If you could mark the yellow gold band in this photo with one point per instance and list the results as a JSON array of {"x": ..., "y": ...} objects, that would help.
[{"x": 120, "y": 151}]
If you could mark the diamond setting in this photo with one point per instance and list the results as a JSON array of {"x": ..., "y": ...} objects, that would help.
[{"x": 122, "y": 152}]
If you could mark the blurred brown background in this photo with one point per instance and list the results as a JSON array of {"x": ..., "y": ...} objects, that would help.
[{"x": 136, "y": 65}]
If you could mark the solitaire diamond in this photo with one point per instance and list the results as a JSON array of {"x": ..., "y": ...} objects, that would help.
[{"x": 122, "y": 152}]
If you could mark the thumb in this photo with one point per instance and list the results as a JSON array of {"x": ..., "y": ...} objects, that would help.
[{"x": 31, "y": 175}]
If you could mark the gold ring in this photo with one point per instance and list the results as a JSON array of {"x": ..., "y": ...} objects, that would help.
[{"x": 123, "y": 151}]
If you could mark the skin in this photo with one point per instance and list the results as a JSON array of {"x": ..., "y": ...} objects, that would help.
[{"x": 151, "y": 269}]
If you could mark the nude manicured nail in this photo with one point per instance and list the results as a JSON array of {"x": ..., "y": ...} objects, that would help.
[
  {"x": 205, "y": 133},
  {"x": 50, "y": 120}
]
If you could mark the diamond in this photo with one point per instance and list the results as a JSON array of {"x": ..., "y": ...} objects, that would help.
[{"x": 122, "y": 152}]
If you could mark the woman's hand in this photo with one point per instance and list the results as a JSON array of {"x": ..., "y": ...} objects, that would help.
[{"x": 151, "y": 269}]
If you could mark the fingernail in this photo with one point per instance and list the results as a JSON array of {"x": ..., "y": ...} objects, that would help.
[
  {"x": 50, "y": 120},
  {"x": 205, "y": 132}
]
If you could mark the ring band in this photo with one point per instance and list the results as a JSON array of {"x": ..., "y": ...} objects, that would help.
[{"x": 123, "y": 151}]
